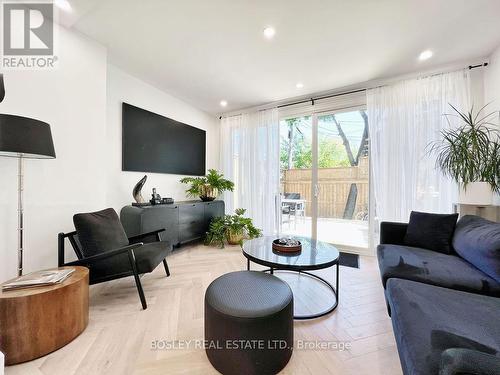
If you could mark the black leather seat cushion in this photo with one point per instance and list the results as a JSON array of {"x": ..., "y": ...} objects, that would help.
[
  {"x": 147, "y": 257},
  {"x": 431, "y": 267},
  {"x": 252, "y": 308}
]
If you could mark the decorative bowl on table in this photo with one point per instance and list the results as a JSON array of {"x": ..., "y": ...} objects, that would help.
[{"x": 287, "y": 245}]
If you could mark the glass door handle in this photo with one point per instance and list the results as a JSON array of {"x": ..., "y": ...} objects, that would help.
[{"x": 316, "y": 190}]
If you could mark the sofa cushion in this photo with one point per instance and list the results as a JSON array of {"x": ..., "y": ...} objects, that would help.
[
  {"x": 467, "y": 361},
  {"x": 99, "y": 231},
  {"x": 477, "y": 240},
  {"x": 430, "y": 267},
  {"x": 147, "y": 258},
  {"x": 428, "y": 320},
  {"x": 431, "y": 231}
]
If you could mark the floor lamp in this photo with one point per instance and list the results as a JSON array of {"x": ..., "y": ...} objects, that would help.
[{"x": 24, "y": 138}]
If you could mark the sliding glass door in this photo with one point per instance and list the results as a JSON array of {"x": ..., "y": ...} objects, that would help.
[
  {"x": 343, "y": 178},
  {"x": 296, "y": 169},
  {"x": 325, "y": 177}
]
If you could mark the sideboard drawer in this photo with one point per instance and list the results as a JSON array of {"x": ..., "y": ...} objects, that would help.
[
  {"x": 189, "y": 232},
  {"x": 191, "y": 213}
]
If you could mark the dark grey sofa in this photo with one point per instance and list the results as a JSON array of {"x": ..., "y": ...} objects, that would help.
[
  {"x": 445, "y": 308},
  {"x": 471, "y": 268},
  {"x": 430, "y": 321}
]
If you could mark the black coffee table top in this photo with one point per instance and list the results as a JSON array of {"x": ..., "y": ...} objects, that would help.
[{"x": 314, "y": 255}]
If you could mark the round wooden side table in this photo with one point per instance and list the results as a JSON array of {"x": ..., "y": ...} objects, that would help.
[{"x": 37, "y": 321}]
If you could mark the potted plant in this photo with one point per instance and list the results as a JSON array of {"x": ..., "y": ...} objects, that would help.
[
  {"x": 208, "y": 187},
  {"x": 470, "y": 155},
  {"x": 231, "y": 228}
]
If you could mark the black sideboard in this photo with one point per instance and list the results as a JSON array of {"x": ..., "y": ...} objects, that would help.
[{"x": 184, "y": 221}]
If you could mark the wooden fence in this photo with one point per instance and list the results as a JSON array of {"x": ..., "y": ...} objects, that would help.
[{"x": 334, "y": 184}]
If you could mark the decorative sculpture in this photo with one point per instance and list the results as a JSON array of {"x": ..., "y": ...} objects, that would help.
[
  {"x": 155, "y": 198},
  {"x": 137, "y": 192}
]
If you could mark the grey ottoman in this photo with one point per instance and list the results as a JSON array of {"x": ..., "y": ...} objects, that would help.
[{"x": 248, "y": 323}]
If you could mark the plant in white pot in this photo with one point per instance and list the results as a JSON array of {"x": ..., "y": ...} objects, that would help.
[{"x": 470, "y": 155}]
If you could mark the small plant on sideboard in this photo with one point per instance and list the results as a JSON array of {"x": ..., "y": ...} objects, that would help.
[{"x": 208, "y": 187}]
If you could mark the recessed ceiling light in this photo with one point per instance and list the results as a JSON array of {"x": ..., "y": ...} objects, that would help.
[
  {"x": 269, "y": 32},
  {"x": 299, "y": 85},
  {"x": 427, "y": 54},
  {"x": 64, "y": 5},
  {"x": 223, "y": 103}
]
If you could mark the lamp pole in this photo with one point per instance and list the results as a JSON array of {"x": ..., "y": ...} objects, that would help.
[
  {"x": 20, "y": 218},
  {"x": 23, "y": 137}
]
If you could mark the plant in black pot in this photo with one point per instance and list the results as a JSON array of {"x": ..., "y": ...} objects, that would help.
[
  {"x": 208, "y": 187},
  {"x": 231, "y": 228},
  {"x": 470, "y": 155}
]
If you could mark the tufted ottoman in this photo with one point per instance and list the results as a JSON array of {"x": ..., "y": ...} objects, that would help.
[{"x": 248, "y": 323}]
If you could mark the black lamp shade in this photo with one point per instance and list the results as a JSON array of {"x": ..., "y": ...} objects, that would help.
[{"x": 25, "y": 137}]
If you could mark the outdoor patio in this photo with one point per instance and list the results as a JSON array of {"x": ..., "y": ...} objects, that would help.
[{"x": 348, "y": 234}]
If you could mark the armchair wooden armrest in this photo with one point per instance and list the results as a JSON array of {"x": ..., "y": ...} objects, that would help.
[
  {"x": 108, "y": 254},
  {"x": 129, "y": 249},
  {"x": 143, "y": 235}
]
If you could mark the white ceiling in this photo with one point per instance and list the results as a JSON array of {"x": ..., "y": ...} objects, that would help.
[{"x": 208, "y": 50}]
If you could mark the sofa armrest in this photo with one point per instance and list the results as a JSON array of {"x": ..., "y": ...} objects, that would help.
[
  {"x": 392, "y": 233},
  {"x": 457, "y": 361}
]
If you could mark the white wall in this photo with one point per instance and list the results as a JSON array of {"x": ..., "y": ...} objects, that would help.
[
  {"x": 492, "y": 90},
  {"x": 492, "y": 81},
  {"x": 72, "y": 99},
  {"x": 477, "y": 87},
  {"x": 123, "y": 87},
  {"x": 81, "y": 100}
]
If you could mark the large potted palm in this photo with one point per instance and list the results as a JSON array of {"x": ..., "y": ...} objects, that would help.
[
  {"x": 208, "y": 187},
  {"x": 470, "y": 155}
]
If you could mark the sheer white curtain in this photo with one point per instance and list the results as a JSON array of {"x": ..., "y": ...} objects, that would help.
[
  {"x": 250, "y": 158},
  {"x": 403, "y": 119}
]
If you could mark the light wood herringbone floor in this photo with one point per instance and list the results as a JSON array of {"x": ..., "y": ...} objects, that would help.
[{"x": 119, "y": 337}]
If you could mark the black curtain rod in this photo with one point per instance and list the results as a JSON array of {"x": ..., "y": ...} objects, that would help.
[
  {"x": 312, "y": 100},
  {"x": 478, "y": 66}
]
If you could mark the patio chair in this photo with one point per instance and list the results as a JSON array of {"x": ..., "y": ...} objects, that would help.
[{"x": 291, "y": 206}]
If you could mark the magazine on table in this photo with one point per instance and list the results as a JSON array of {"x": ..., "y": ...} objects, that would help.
[{"x": 38, "y": 279}]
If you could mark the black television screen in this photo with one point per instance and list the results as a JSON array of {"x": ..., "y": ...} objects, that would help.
[{"x": 153, "y": 143}]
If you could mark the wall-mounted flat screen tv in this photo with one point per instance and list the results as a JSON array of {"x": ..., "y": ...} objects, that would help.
[{"x": 154, "y": 143}]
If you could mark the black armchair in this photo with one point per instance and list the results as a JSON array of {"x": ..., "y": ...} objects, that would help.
[{"x": 100, "y": 244}]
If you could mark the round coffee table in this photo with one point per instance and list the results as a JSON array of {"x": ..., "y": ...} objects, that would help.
[{"x": 315, "y": 255}]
